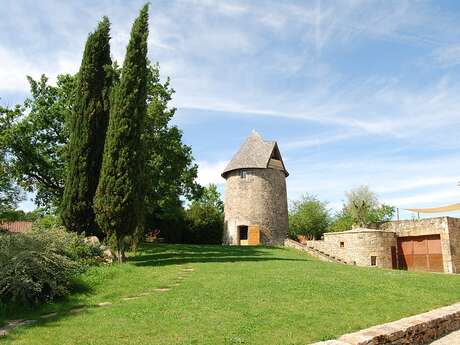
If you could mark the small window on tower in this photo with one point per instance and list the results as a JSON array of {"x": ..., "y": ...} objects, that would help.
[
  {"x": 243, "y": 173},
  {"x": 373, "y": 260},
  {"x": 342, "y": 244}
]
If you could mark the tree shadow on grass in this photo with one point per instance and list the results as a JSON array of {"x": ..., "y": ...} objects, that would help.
[{"x": 162, "y": 255}]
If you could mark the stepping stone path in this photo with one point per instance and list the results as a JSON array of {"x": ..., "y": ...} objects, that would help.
[
  {"x": 13, "y": 324},
  {"x": 130, "y": 298},
  {"x": 77, "y": 310},
  {"x": 104, "y": 304},
  {"x": 162, "y": 289},
  {"x": 80, "y": 308},
  {"x": 47, "y": 316}
]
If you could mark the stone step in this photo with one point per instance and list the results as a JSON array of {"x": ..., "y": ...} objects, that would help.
[{"x": 326, "y": 256}]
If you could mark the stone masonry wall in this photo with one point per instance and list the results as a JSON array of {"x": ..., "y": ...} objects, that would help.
[
  {"x": 414, "y": 330},
  {"x": 427, "y": 226},
  {"x": 416, "y": 227},
  {"x": 359, "y": 246},
  {"x": 296, "y": 245},
  {"x": 454, "y": 236},
  {"x": 259, "y": 199}
]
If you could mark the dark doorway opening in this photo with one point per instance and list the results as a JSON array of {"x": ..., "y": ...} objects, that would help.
[
  {"x": 394, "y": 258},
  {"x": 243, "y": 234}
]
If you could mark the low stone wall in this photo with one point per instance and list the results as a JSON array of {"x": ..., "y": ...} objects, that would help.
[
  {"x": 293, "y": 244},
  {"x": 361, "y": 244},
  {"x": 323, "y": 246},
  {"x": 416, "y": 330},
  {"x": 358, "y": 246},
  {"x": 296, "y": 245}
]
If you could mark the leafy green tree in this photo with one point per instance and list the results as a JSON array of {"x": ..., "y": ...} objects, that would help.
[
  {"x": 34, "y": 138},
  {"x": 10, "y": 194},
  {"x": 13, "y": 215},
  {"x": 205, "y": 218},
  {"x": 308, "y": 217},
  {"x": 170, "y": 173},
  {"x": 361, "y": 208},
  {"x": 170, "y": 168},
  {"x": 120, "y": 194},
  {"x": 359, "y": 203},
  {"x": 341, "y": 221},
  {"x": 88, "y": 125},
  {"x": 383, "y": 213}
]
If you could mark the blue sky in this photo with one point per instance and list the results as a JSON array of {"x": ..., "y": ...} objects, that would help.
[{"x": 355, "y": 92}]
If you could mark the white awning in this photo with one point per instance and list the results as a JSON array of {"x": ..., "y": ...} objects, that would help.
[{"x": 447, "y": 208}]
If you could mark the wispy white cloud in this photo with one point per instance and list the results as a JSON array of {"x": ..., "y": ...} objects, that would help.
[
  {"x": 322, "y": 139},
  {"x": 16, "y": 66},
  {"x": 418, "y": 182},
  {"x": 426, "y": 199},
  {"x": 448, "y": 56},
  {"x": 209, "y": 172}
]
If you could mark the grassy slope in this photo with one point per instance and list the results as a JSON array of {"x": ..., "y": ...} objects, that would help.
[{"x": 236, "y": 295}]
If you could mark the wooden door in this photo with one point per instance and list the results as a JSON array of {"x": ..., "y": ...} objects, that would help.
[
  {"x": 253, "y": 235},
  {"x": 394, "y": 258},
  {"x": 420, "y": 253}
]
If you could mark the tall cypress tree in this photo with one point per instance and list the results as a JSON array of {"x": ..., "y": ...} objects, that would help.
[
  {"x": 88, "y": 126},
  {"x": 120, "y": 195}
]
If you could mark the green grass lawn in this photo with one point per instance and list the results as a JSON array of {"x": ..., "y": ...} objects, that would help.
[{"x": 235, "y": 295}]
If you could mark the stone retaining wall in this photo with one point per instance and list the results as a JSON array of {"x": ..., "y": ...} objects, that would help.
[
  {"x": 358, "y": 246},
  {"x": 321, "y": 245},
  {"x": 416, "y": 330},
  {"x": 296, "y": 245}
]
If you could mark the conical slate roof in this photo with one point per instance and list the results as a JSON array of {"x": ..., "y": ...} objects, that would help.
[{"x": 254, "y": 153}]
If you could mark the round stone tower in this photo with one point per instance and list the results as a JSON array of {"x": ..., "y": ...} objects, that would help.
[{"x": 256, "y": 210}]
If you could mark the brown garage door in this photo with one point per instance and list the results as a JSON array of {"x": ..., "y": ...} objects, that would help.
[{"x": 420, "y": 253}]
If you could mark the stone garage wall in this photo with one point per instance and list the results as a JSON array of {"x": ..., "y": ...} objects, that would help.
[
  {"x": 416, "y": 227},
  {"x": 415, "y": 330},
  {"x": 448, "y": 228},
  {"x": 454, "y": 236}
]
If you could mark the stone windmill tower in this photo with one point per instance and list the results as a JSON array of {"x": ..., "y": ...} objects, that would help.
[{"x": 256, "y": 210}]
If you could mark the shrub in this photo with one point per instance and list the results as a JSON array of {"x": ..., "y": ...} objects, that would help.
[
  {"x": 68, "y": 244},
  {"x": 342, "y": 221},
  {"x": 205, "y": 218},
  {"x": 41, "y": 265},
  {"x": 308, "y": 217},
  {"x": 32, "y": 271},
  {"x": 204, "y": 225}
]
